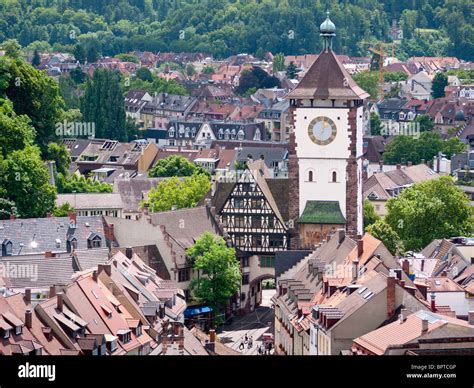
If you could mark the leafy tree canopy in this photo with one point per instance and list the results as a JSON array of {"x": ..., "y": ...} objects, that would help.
[{"x": 430, "y": 210}]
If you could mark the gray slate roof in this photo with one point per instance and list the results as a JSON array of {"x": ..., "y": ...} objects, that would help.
[{"x": 39, "y": 235}]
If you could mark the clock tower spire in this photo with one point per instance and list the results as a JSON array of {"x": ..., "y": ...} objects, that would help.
[{"x": 325, "y": 161}]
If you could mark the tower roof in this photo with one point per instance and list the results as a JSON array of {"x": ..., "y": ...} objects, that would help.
[
  {"x": 328, "y": 79},
  {"x": 327, "y": 27}
]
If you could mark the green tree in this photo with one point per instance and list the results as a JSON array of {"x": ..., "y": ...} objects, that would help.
[
  {"x": 25, "y": 179},
  {"x": 430, "y": 210},
  {"x": 36, "y": 60},
  {"x": 79, "y": 53},
  {"x": 425, "y": 123},
  {"x": 369, "y": 81},
  {"x": 128, "y": 58},
  {"x": 375, "y": 124},
  {"x": 370, "y": 216},
  {"x": 279, "y": 62},
  {"x": 385, "y": 233},
  {"x": 12, "y": 48},
  {"x": 440, "y": 81},
  {"x": 208, "y": 70},
  {"x": 453, "y": 146},
  {"x": 15, "y": 131},
  {"x": 144, "y": 74},
  {"x": 291, "y": 70},
  {"x": 256, "y": 78},
  {"x": 59, "y": 154},
  {"x": 33, "y": 94},
  {"x": 103, "y": 104},
  {"x": 403, "y": 149},
  {"x": 174, "y": 166},
  {"x": 219, "y": 272},
  {"x": 190, "y": 70},
  {"x": 80, "y": 184},
  {"x": 181, "y": 193},
  {"x": 7, "y": 208},
  {"x": 63, "y": 210},
  {"x": 78, "y": 76},
  {"x": 92, "y": 54}
]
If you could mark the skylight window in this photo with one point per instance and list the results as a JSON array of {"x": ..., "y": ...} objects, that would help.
[{"x": 362, "y": 290}]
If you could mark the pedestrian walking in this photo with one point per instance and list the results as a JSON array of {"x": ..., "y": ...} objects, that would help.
[{"x": 241, "y": 346}]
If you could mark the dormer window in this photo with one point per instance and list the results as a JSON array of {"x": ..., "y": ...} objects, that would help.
[
  {"x": 257, "y": 136},
  {"x": 7, "y": 248},
  {"x": 94, "y": 241},
  {"x": 71, "y": 244},
  {"x": 241, "y": 135},
  {"x": 221, "y": 133},
  {"x": 124, "y": 336},
  {"x": 171, "y": 132}
]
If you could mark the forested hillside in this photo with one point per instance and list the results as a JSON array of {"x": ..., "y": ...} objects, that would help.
[{"x": 225, "y": 27}]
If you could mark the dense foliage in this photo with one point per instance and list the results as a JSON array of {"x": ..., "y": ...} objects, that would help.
[
  {"x": 224, "y": 27},
  {"x": 181, "y": 193},
  {"x": 219, "y": 271},
  {"x": 403, "y": 149},
  {"x": 174, "y": 166},
  {"x": 430, "y": 210}
]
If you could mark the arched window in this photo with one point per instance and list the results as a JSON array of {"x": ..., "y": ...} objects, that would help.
[
  {"x": 221, "y": 133},
  {"x": 334, "y": 176},
  {"x": 227, "y": 134},
  {"x": 310, "y": 176},
  {"x": 241, "y": 135}
]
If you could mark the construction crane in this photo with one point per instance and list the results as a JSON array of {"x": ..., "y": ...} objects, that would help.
[{"x": 381, "y": 54}]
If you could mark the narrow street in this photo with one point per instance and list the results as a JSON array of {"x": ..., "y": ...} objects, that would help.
[{"x": 255, "y": 324}]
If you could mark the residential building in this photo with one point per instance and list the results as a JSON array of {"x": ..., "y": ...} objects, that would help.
[
  {"x": 381, "y": 186},
  {"x": 420, "y": 333}
]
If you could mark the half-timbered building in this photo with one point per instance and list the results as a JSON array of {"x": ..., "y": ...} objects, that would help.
[{"x": 253, "y": 211}]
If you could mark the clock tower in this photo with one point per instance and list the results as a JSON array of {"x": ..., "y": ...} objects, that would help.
[{"x": 325, "y": 161}]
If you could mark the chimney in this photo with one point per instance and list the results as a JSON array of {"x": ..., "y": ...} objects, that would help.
[
  {"x": 48, "y": 254},
  {"x": 409, "y": 163},
  {"x": 94, "y": 275},
  {"x": 403, "y": 315},
  {"x": 422, "y": 264},
  {"x": 109, "y": 232},
  {"x": 49, "y": 215},
  {"x": 406, "y": 266},
  {"x": 73, "y": 218},
  {"x": 129, "y": 252},
  {"x": 381, "y": 166},
  {"x": 360, "y": 247},
  {"x": 423, "y": 161},
  {"x": 60, "y": 301},
  {"x": 52, "y": 181},
  {"x": 107, "y": 268},
  {"x": 27, "y": 295},
  {"x": 424, "y": 325},
  {"x": 470, "y": 318},
  {"x": 355, "y": 270},
  {"x": 28, "y": 318},
  {"x": 391, "y": 281},
  {"x": 399, "y": 166},
  {"x": 161, "y": 311},
  {"x": 438, "y": 162},
  {"x": 341, "y": 234},
  {"x": 52, "y": 291},
  {"x": 433, "y": 301}
]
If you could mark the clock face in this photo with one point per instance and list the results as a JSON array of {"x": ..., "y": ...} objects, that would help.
[{"x": 322, "y": 130}]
